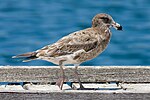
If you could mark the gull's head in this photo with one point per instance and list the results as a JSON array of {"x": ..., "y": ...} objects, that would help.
[{"x": 103, "y": 19}]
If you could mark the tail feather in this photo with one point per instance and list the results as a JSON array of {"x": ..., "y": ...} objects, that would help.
[{"x": 27, "y": 56}]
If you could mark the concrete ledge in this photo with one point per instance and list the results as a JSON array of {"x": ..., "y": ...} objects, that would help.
[
  {"x": 134, "y": 79},
  {"x": 136, "y": 74}
]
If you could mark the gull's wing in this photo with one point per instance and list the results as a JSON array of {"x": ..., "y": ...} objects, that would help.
[{"x": 69, "y": 44}]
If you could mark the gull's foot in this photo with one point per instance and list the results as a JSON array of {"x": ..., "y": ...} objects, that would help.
[
  {"x": 82, "y": 87},
  {"x": 120, "y": 84},
  {"x": 60, "y": 82}
]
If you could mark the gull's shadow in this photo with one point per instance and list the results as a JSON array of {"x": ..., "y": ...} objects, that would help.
[{"x": 99, "y": 89}]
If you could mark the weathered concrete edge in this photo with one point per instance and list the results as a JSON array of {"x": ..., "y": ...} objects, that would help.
[
  {"x": 87, "y": 73},
  {"x": 69, "y": 91},
  {"x": 73, "y": 67},
  {"x": 72, "y": 96}
]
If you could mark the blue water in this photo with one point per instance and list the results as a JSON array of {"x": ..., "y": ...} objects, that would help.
[{"x": 28, "y": 25}]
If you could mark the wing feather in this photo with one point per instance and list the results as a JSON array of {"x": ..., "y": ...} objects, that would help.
[{"x": 69, "y": 44}]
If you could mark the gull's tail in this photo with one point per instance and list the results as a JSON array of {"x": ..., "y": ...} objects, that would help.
[{"x": 27, "y": 56}]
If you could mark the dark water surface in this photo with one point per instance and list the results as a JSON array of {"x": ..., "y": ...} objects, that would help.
[{"x": 27, "y": 25}]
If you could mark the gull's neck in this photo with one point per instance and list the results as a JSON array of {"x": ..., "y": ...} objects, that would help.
[{"x": 102, "y": 28}]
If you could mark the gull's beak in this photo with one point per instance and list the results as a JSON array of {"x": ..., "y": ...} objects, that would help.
[{"x": 116, "y": 26}]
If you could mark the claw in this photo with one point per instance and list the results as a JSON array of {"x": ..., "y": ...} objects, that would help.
[{"x": 81, "y": 87}]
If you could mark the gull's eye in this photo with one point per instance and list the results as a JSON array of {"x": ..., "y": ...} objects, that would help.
[{"x": 105, "y": 19}]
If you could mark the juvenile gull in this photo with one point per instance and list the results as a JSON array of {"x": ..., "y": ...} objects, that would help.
[{"x": 77, "y": 47}]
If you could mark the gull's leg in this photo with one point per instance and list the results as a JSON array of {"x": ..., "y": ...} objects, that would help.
[
  {"x": 77, "y": 76},
  {"x": 61, "y": 80}
]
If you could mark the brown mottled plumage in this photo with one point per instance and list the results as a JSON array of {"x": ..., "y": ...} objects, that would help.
[{"x": 79, "y": 46}]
